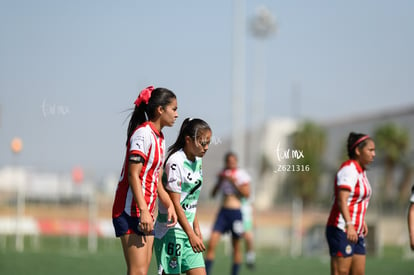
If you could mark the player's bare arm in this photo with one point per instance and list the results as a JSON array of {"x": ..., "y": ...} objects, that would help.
[
  {"x": 196, "y": 241},
  {"x": 146, "y": 222},
  {"x": 166, "y": 200}
]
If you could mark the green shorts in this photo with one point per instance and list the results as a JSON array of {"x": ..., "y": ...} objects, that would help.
[
  {"x": 246, "y": 210},
  {"x": 175, "y": 254}
]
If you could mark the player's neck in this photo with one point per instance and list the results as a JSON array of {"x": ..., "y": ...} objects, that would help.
[
  {"x": 156, "y": 124},
  {"x": 189, "y": 156}
]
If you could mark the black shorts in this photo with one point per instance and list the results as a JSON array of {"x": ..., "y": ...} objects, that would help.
[
  {"x": 125, "y": 224},
  {"x": 339, "y": 246},
  {"x": 229, "y": 220}
]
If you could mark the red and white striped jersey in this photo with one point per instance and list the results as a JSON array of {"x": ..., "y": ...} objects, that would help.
[
  {"x": 149, "y": 143},
  {"x": 353, "y": 178}
]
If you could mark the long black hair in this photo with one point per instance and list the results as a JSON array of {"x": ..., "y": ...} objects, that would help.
[
  {"x": 190, "y": 127},
  {"x": 356, "y": 140},
  {"x": 146, "y": 111}
]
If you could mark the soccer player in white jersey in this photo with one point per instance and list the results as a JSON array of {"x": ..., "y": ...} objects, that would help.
[
  {"x": 179, "y": 249},
  {"x": 346, "y": 227},
  {"x": 234, "y": 183},
  {"x": 410, "y": 219},
  {"x": 134, "y": 203}
]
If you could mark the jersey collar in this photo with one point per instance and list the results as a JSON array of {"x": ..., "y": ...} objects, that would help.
[
  {"x": 151, "y": 125},
  {"x": 358, "y": 167}
]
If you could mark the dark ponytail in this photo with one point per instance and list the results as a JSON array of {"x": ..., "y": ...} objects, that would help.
[
  {"x": 145, "y": 111},
  {"x": 356, "y": 140},
  {"x": 190, "y": 127}
]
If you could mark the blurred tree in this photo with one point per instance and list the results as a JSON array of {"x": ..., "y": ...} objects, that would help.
[
  {"x": 404, "y": 187},
  {"x": 310, "y": 140},
  {"x": 392, "y": 142}
]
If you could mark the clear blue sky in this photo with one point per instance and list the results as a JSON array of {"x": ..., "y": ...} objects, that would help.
[{"x": 68, "y": 69}]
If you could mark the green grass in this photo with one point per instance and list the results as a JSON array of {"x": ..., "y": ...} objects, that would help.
[{"x": 70, "y": 256}]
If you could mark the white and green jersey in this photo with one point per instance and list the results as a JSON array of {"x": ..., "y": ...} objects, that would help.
[{"x": 185, "y": 177}]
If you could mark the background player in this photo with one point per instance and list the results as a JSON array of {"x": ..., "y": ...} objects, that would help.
[
  {"x": 346, "y": 227},
  {"x": 133, "y": 208},
  {"x": 234, "y": 184},
  {"x": 179, "y": 249}
]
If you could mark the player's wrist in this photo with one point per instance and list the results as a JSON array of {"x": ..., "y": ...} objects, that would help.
[{"x": 143, "y": 210}]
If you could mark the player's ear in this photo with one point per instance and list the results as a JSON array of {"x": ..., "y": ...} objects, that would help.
[
  {"x": 187, "y": 139},
  {"x": 159, "y": 110},
  {"x": 357, "y": 151}
]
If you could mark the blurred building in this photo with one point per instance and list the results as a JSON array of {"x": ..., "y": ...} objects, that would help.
[
  {"x": 261, "y": 160},
  {"x": 264, "y": 152},
  {"x": 39, "y": 186}
]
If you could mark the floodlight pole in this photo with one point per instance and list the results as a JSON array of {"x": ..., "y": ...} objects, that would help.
[
  {"x": 238, "y": 85},
  {"x": 262, "y": 26}
]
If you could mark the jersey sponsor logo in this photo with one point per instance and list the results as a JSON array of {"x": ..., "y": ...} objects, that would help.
[
  {"x": 187, "y": 206},
  {"x": 196, "y": 187},
  {"x": 173, "y": 166},
  {"x": 139, "y": 140},
  {"x": 189, "y": 176},
  {"x": 172, "y": 180}
]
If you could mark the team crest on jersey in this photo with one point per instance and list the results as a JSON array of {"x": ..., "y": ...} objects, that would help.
[
  {"x": 348, "y": 249},
  {"x": 173, "y": 262}
]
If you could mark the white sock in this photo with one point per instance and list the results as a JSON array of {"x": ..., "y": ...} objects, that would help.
[{"x": 250, "y": 257}]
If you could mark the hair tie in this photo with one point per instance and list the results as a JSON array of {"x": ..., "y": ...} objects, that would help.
[
  {"x": 144, "y": 95},
  {"x": 361, "y": 139}
]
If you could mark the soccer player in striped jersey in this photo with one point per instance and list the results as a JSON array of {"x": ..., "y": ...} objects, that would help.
[
  {"x": 346, "y": 227},
  {"x": 179, "y": 249},
  {"x": 134, "y": 203}
]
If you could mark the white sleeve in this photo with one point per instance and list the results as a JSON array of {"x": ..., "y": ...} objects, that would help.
[
  {"x": 347, "y": 177},
  {"x": 172, "y": 170},
  {"x": 140, "y": 142},
  {"x": 243, "y": 178}
]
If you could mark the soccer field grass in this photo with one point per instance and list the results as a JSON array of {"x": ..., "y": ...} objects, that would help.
[{"x": 65, "y": 256}]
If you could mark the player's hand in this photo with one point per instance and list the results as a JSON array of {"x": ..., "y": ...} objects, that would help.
[
  {"x": 351, "y": 234},
  {"x": 197, "y": 231},
  {"x": 197, "y": 243},
  {"x": 172, "y": 216},
  {"x": 146, "y": 223},
  {"x": 365, "y": 229}
]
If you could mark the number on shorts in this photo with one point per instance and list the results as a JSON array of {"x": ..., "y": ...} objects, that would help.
[{"x": 174, "y": 249}]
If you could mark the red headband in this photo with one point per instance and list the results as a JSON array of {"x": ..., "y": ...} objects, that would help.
[
  {"x": 361, "y": 139},
  {"x": 144, "y": 95}
]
